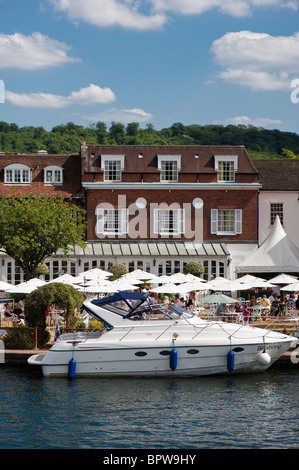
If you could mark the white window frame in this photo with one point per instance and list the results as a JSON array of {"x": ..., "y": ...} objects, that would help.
[
  {"x": 118, "y": 218},
  {"x": 276, "y": 208},
  {"x": 216, "y": 214},
  {"x": 162, "y": 221},
  {"x": 169, "y": 159},
  {"x": 53, "y": 170},
  {"x": 225, "y": 159},
  {"x": 106, "y": 160},
  {"x": 17, "y": 173}
]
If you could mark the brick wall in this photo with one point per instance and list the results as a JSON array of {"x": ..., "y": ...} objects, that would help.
[
  {"x": 71, "y": 174},
  {"x": 245, "y": 200}
]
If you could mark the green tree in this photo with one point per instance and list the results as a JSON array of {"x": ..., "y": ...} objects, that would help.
[
  {"x": 178, "y": 129},
  {"x": 118, "y": 269},
  {"x": 132, "y": 128},
  {"x": 289, "y": 153},
  {"x": 117, "y": 132},
  {"x": 35, "y": 227},
  {"x": 101, "y": 132},
  {"x": 195, "y": 268},
  {"x": 63, "y": 295}
]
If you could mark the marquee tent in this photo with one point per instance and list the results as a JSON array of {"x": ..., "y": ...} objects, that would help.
[{"x": 277, "y": 254}]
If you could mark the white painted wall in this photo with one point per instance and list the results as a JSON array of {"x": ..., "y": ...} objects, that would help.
[{"x": 290, "y": 202}]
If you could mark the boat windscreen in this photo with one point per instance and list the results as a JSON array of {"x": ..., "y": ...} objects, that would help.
[{"x": 124, "y": 303}]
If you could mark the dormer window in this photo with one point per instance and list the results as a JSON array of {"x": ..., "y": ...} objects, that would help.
[
  {"x": 112, "y": 166},
  {"x": 53, "y": 175},
  {"x": 17, "y": 174},
  {"x": 169, "y": 166},
  {"x": 226, "y": 166}
]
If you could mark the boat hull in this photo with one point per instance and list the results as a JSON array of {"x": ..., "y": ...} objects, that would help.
[{"x": 154, "y": 361}]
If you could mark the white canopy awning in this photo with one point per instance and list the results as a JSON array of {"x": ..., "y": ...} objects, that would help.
[{"x": 277, "y": 254}]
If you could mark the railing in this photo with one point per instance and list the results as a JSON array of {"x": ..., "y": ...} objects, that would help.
[{"x": 22, "y": 338}]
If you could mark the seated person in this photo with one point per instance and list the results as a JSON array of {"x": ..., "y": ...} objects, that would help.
[
  {"x": 8, "y": 311},
  {"x": 275, "y": 305},
  {"x": 181, "y": 303},
  {"x": 291, "y": 300},
  {"x": 220, "y": 311},
  {"x": 18, "y": 311},
  {"x": 265, "y": 302},
  {"x": 252, "y": 302},
  {"x": 290, "y": 303},
  {"x": 153, "y": 298}
]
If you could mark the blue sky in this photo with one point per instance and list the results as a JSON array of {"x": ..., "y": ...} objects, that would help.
[{"x": 150, "y": 61}]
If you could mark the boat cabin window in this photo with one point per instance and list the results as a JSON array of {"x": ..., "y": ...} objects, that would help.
[{"x": 134, "y": 310}]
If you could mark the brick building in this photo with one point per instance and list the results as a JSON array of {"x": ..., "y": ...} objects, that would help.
[
  {"x": 158, "y": 207},
  {"x": 40, "y": 173},
  {"x": 150, "y": 207}
]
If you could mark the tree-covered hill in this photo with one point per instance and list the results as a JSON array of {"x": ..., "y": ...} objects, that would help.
[{"x": 66, "y": 138}]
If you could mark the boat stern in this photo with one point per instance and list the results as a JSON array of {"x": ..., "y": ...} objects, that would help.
[{"x": 36, "y": 359}]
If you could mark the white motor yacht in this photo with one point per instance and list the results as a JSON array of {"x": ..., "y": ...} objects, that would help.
[{"x": 141, "y": 339}]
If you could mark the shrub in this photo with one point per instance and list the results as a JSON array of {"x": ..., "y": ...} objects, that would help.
[
  {"x": 195, "y": 268},
  {"x": 118, "y": 269},
  {"x": 19, "y": 337},
  {"x": 64, "y": 296}
]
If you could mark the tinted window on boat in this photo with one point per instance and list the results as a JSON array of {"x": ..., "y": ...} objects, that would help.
[
  {"x": 164, "y": 353},
  {"x": 140, "y": 353},
  {"x": 192, "y": 351},
  {"x": 238, "y": 349}
]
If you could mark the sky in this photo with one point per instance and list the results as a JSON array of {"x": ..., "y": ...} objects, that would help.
[{"x": 154, "y": 62}]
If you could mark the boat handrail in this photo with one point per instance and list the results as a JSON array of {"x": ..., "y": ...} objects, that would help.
[
  {"x": 129, "y": 330},
  {"x": 163, "y": 332}
]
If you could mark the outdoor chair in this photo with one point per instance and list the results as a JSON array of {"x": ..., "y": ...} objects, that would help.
[{"x": 256, "y": 313}]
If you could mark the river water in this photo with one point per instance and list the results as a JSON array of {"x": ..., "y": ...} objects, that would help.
[{"x": 256, "y": 411}]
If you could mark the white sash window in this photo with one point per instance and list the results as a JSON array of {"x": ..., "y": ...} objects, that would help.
[
  {"x": 17, "y": 174},
  {"x": 169, "y": 221},
  {"x": 226, "y": 221},
  {"x": 112, "y": 221}
]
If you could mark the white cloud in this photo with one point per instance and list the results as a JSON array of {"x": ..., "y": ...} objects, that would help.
[
  {"x": 107, "y": 13},
  {"x": 129, "y": 14},
  {"x": 256, "y": 81},
  {"x": 237, "y": 8},
  {"x": 257, "y": 60},
  {"x": 144, "y": 15},
  {"x": 257, "y": 122},
  {"x": 120, "y": 115},
  {"x": 32, "y": 52},
  {"x": 92, "y": 94}
]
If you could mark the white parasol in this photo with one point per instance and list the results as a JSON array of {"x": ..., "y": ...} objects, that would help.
[
  {"x": 94, "y": 273},
  {"x": 178, "y": 277},
  {"x": 169, "y": 288},
  {"x": 193, "y": 286},
  {"x": 99, "y": 289},
  {"x": 5, "y": 285},
  {"x": 218, "y": 298},
  {"x": 26, "y": 287},
  {"x": 283, "y": 279},
  {"x": 294, "y": 287},
  {"x": 65, "y": 279}
]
